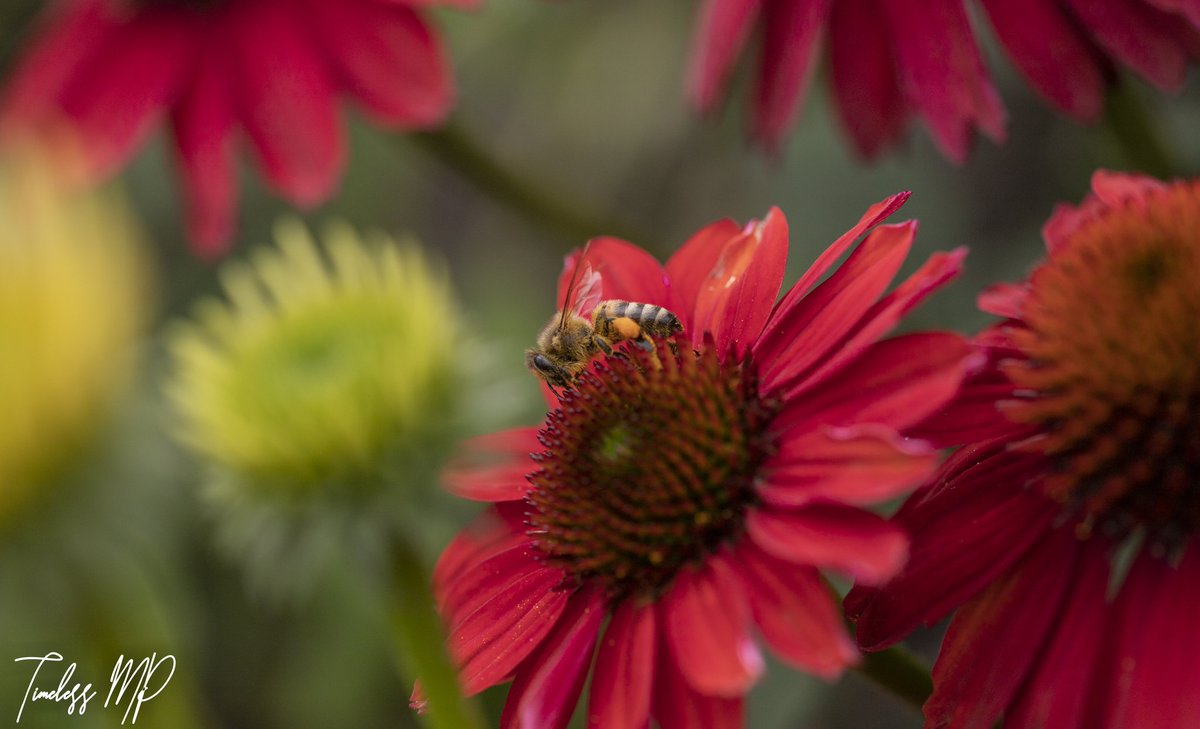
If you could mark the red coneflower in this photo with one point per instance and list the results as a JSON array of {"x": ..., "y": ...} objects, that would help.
[
  {"x": 269, "y": 69},
  {"x": 688, "y": 495},
  {"x": 892, "y": 58},
  {"x": 1066, "y": 528}
]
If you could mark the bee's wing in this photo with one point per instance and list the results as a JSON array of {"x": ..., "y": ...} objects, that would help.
[{"x": 587, "y": 294}]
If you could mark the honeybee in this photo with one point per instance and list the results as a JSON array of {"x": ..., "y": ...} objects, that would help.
[{"x": 570, "y": 339}]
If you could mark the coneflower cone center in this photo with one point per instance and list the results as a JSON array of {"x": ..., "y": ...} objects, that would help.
[
  {"x": 649, "y": 467},
  {"x": 1113, "y": 369}
]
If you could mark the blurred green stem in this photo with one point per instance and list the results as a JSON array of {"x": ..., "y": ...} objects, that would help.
[
  {"x": 541, "y": 205},
  {"x": 900, "y": 672},
  {"x": 419, "y": 635},
  {"x": 1134, "y": 129}
]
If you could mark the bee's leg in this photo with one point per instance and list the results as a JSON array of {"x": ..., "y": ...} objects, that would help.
[
  {"x": 644, "y": 342},
  {"x": 602, "y": 344}
]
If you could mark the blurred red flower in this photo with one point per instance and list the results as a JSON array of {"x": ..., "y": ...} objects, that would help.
[
  {"x": 891, "y": 58},
  {"x": 1066, "y": 528},
  {"x": 271, "y": 69},
  {"x": 691, "y": 493}
]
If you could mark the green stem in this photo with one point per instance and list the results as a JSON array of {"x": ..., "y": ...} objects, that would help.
[
  {"x": 419, "y": 635},
  {"x": 900, "y": 672},
  {"x": 455, "y": 147},
  {"x": 1134, "y": 129}
]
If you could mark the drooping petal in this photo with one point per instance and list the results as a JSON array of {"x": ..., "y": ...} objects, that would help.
[
  {"x": 721, "y": 30},
  {"x": 689, "y": 267},
  {"x": 737, "y": 295},
  {"x": 844, "y": 538},
  {"x": 1056, "y": 694},
  {"x": 863, "y": 72},
  {"x": 130, "y": 80},
  {"x": 789, "y": 50},
  {"x": 896, "y": 382},
  {"x": 677, "y": 705},
  {"x": 622, "y": 684},
  {"x": 970, "y": 529},
  {"x": 802, "y": 332},
  {"x": 972, "y": 416},
  {"x": 387, "y": 58},
  {"x": 548, "y": 684},
  {"x": 507, "y": 623},
  {"x": 1050, "y": 50},
  {"x": 68, "y": 37},
  {"x": 994, "y": 640},
  {"x": 795, "y": 612},
  {"x": 861, "y": 465},
  {"x": 707, "y": 623},
  {"x": 290, "y": 117},
  {"x": 493, "y": 467},
  {"x": 203, "y": 122},
  {"x": 1137, "y": 34},
  {"x": 1157, "y": 666},
  {"x": 943, "y": 73},
  {"x": 1003, "y": 299}
]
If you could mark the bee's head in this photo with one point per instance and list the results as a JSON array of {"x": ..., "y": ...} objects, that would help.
[{"x": 545, "y": 368}]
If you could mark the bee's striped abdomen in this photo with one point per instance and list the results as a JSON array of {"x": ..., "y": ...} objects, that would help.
[{"x": 655, "y": 320}]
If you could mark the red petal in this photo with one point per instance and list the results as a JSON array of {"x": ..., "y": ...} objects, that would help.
[
  {"x": 973, "y": 415},
  {"x": 1119, "y": 188},
  {"x": 885, "y": 315},
  {"x": 547, "y": 688},
  {"x": 493, "y": 467},
  {"x": 66, "y": 39},
  {"x": 1137, "y": 34},
  {"x": 129, "y": 81},
  {"x": 796, "y": 613},
  {"x": 388, "y": 58},
  {"x": 286, "y": 102},
  {"x": 994, "y": 640},
  {"x": 691, "y": 264},
  {"x": 679, "y": 706},
  {"x": 896, "y": 382},
  {"x": 1004, "y": 299},
  {"x": 1187, "y": 8},
  {"x": 874, "y": 215},
  {"x": 737, "y": 295},
  {"x": 862, "y": 465},
  {"x": 1157, "y": 659},
  {"x": 203, "y": 122},
  {"x": 707, "y": 625},
  {"x": 844, "y": 538},
  {"x": 965, "y": 532},
  {"x": 488, "y": 535},
  {"x": 626, "y": 272},
  {"x": 1056, "y": 58},
  {"x": 507, "y": 622},
  {"x": 1056, "y": 694},
  {"x": 790, "y": 44},
  {"x": 721, "y": 31},
  {"x": 801, "y": 333},
  {"x": 871, "y": 104},
  {"x": 943, "y": 73},
  {"x": 622, "y": 682}
]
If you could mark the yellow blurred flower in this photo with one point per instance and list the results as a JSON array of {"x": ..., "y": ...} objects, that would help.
[
  {"x": 73, "y": 285},
  {"x": 324, "y": 362}
]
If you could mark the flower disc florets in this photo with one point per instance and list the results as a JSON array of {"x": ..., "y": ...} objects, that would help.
[
  {"x": 650, "y": 466},
  {"x": 1112, "y": 336}
]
